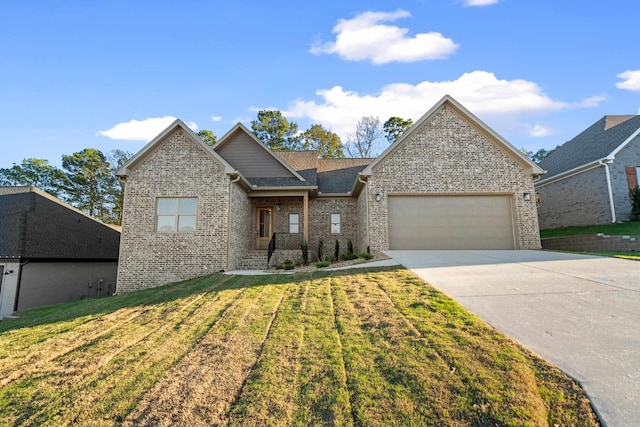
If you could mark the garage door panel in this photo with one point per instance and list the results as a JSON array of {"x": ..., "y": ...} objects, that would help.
[{"x": 451, "y": 222}]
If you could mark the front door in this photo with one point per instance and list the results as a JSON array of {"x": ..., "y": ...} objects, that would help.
[{"x": 264, "y": 220}]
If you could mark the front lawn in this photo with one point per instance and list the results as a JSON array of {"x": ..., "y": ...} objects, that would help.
[{"x": 376, "y": 347}]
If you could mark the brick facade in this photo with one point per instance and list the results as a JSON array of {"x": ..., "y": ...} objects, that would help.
[
  {"x": 581, "y": 199},
  {"x": 177, "y": 167},
  {"x": 320, "y": 211},
  {"x": 455, "y": 157},
  {"x": 241, "y": 226},
  {"x": 447, "y": 154}
]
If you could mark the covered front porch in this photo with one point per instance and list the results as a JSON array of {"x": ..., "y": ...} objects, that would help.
[{"x": 280, "y": 223}]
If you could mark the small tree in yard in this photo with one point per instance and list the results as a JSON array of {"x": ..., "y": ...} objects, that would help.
[{"x": 635, "y": 204}]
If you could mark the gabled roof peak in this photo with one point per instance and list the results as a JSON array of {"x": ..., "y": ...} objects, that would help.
[{"x": 615, "y": 120}]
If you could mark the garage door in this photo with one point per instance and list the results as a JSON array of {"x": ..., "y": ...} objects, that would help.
[{"x": 451, "y": 222}]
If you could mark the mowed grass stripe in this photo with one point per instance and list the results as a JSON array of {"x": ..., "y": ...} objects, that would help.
[
  {"x": 392, "y": 374},
  {"x": 300, "y": 378},
  {"x": 504, "y": 384},
  {"x": 22, "y": 348},
  {"x": 199, "y": 390},
  {"x": 74, "y": 388}
]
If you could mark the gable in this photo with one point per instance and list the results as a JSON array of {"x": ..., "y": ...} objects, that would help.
[
  {"x": 448, "y": 153},
  {"x": 451, "y": 131},
  {"x": 187, "y": 136},
  {"x": 252, "y": 160}
]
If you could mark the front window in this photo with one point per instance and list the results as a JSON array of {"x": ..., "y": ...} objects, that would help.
[
  {"x": 294, "y": 223},
  {"x": 176, "y": 214},
  {"x": 335, "y": 223}
]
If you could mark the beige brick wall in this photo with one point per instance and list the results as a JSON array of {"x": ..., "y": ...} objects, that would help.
[
  {"x": 177, "y": 167},
  {"x": 320, "y": 211},
  {"x": 454, "y": 157},
  {"x": 241, "y": 226},
  {"x": 363, "y": 221}
]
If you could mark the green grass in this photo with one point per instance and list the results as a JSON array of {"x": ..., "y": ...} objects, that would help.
[
  {"x": 361, "y": 347},
  {"x": 622, "y": 229}
]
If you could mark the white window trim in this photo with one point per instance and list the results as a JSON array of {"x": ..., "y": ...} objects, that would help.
[
  {"x": 339, "y": 223},
  {"x": 296, "y": 224},
  {"x": 176, "y": 215}
]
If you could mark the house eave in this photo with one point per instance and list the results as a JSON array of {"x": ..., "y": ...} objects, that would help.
[{"x": 572, "y": 172}]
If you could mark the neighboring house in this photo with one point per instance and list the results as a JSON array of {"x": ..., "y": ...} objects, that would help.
[
  {"x": 51, "y": 252},
  {"x": 450, "y": 182},
  {"x": 589, "y": 177}
]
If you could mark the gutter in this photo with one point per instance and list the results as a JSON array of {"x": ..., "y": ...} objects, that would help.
[{"x": 610, "y": 191}]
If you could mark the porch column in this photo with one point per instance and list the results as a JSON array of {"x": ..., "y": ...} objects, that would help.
[{"x": 305, "y": 215}]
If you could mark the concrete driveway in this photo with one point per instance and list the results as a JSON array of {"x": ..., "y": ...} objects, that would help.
[{"x": 582, "y": 313}]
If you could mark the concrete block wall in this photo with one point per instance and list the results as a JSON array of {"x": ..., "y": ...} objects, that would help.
[
  {"x": 592, "y": 242},
  {"x": 455, "y": 157}
]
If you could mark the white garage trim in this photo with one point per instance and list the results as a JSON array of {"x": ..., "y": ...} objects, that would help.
[{"x": 446, "y": 221}]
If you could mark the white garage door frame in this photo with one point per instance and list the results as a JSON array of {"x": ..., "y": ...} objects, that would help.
[{"x": 505, "y": 207}]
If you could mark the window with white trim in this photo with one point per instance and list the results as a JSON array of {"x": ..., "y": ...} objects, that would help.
[
  {"x": 294, "y": 223},
  {"x": 176, "y": 214},
  {"x": 335, "y": 223}
]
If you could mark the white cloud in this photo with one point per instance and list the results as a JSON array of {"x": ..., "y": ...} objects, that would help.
[
  {"x": 471, "y": 3},
  {"x": 365, "y": 38},
  {"x": 142, "y": 130},
  {"x": 538, "y": 131},
  {"x": 216, "y": 118},
  {"x": 505, "y": 102},
  {"x": 631, "y": 80}
]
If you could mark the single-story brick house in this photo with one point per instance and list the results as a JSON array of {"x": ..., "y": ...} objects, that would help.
[
  {"x": 589, "y": 177},
  {"x": 50, "y": 252},
  {"x": 450, "y": 182}
]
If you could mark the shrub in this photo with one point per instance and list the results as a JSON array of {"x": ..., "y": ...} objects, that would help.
[
  {"x": 320, "y": 251},
  {"x": 336, "y": 251},
  {"x": 365, "y": 255},
  {"x": 304, "y": 247},
  {"x": 321, "y": 264},
  {"x": 350, "y": 247},
  {"x": 288, "y": 265},
  {"x": 347, "y": 257},
  {"x": 635, "y": 204}
]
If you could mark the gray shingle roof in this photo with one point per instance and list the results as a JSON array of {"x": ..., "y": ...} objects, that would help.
[
  {"x": 39, "y": 226},
  {"x": 278, "y": 182},
  {"x": 594, "y": 143},
  {"x": 339, "y": 175}
]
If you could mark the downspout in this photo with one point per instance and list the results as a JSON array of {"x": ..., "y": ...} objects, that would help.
[
  {"x": 236, "y": 179},
  {"x": 606, "y": 170},
  {"x": 366, "y": 207}
]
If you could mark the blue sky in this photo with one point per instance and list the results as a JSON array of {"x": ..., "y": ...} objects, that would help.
[{"x": 113, "y": 74}]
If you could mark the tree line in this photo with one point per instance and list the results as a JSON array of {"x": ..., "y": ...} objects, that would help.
[{"x": 87, "y": 179}]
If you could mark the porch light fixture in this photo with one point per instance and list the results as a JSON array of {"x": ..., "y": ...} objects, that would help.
[
  {"x": 527, "y": 196},
  {"x": 378, "y": 197},
  {"x": 278, "y": 207}
]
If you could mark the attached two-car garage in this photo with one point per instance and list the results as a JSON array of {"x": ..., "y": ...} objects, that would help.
[{"x": 451, "y": 222}]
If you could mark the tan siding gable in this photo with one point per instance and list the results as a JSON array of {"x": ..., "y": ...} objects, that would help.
[{"x": 251, "y": 160}]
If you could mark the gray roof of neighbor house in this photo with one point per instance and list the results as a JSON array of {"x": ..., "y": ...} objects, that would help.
[
  {"x": 596, "y": 142},
  {"x": 36, "y": 225}
]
